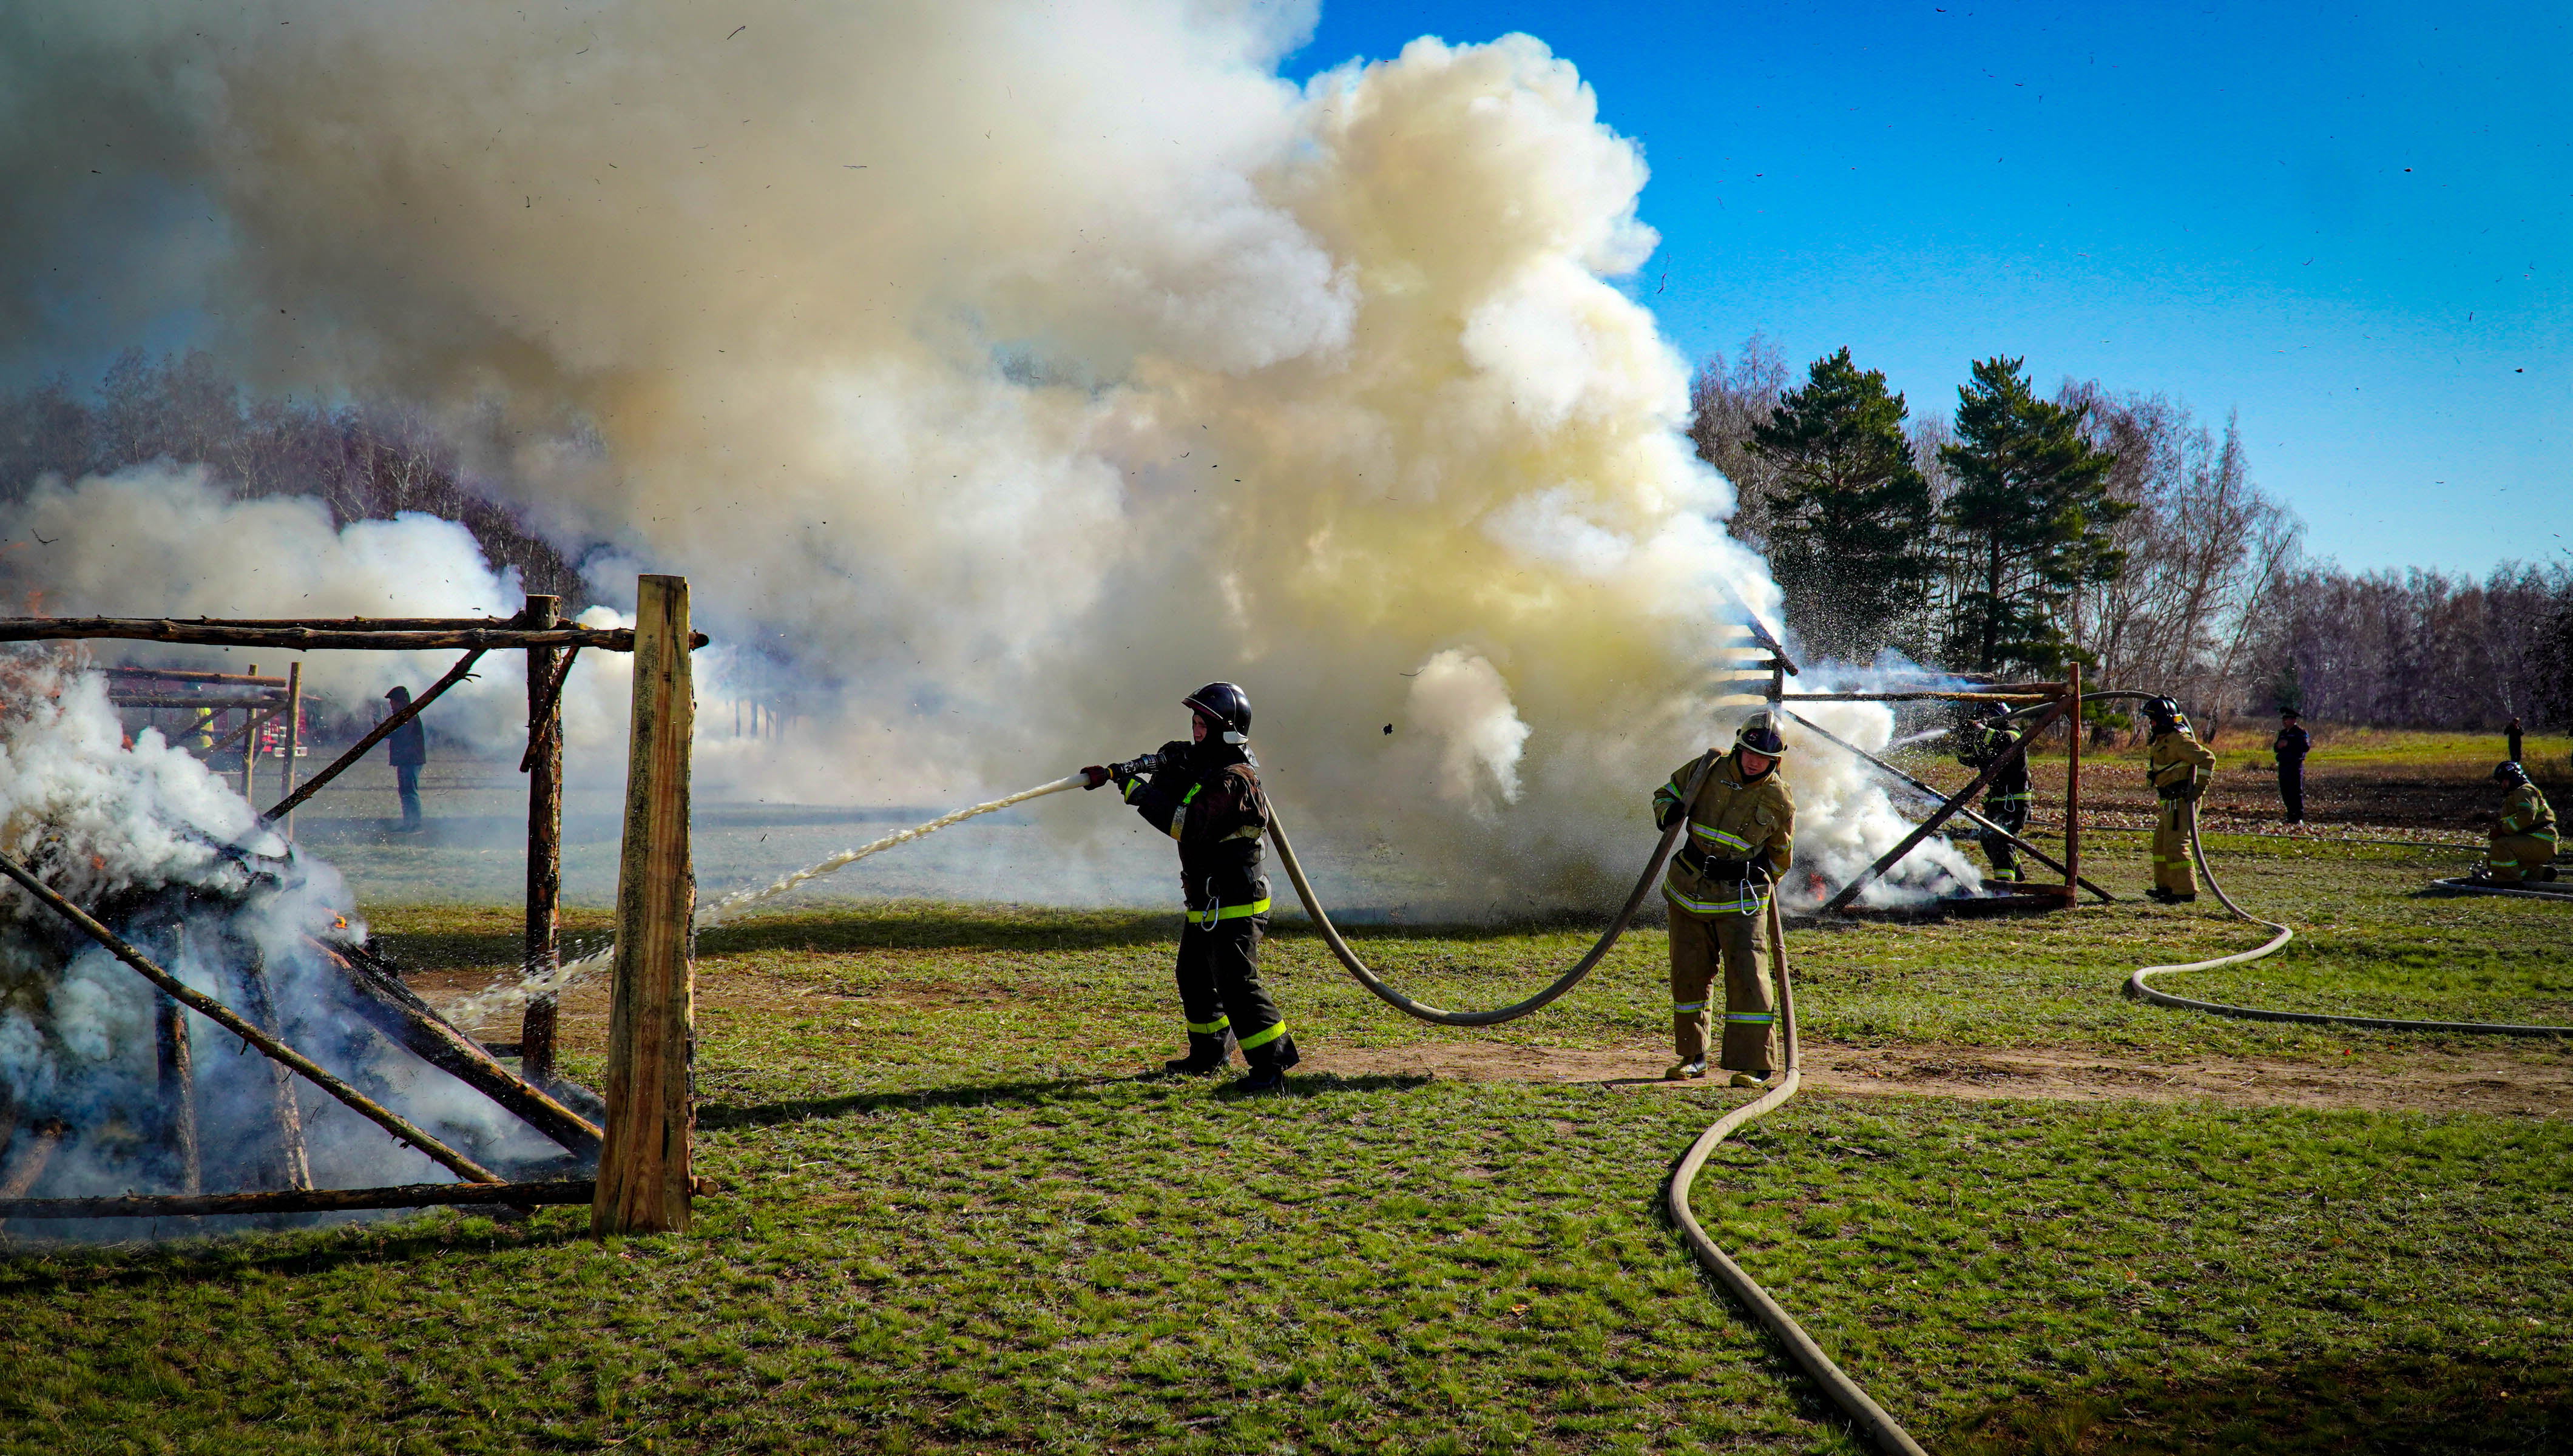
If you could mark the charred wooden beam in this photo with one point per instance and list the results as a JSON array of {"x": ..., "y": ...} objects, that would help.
[
  {"x": 542, "y": 765},
  {"x": 304, "y": 1200},
  {"x": 348, "y": 634},
  {"x": 410, "y": 1023},
  {"x": 286, "y": 1114},
  {"x": 31, "y": 1154},
  {"x": 178, "y": 1066},
  {"x": 225, "y": 1017}
]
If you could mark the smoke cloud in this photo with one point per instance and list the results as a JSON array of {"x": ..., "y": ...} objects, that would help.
[{"x": 998, "y": 373}]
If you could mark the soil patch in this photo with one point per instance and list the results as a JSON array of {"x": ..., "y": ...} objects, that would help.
[{"x": 2477, "y": 1081}]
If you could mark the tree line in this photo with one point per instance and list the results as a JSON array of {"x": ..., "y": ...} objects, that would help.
[
  {"x": 365, "y": 461},
  {"x": 2026, "y": 531}
]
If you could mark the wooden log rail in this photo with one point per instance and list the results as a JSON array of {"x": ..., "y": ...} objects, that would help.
[
  {"x": 1996, "y": 696},
  {"x": 173, "y": 674},
  {"x": 304, "y": 1201},
  {"x": 182, "y": 700},
  {"x": 412, "y": 634}
]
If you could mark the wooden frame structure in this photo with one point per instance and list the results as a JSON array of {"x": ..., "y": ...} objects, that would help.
[
  {"x": 2062, "y": 702},
  {"x": 644, "y": 1185}
]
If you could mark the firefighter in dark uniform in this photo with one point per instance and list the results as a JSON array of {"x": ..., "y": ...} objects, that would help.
[
  {"x": 1206, "y": 794},
  {"x": 1741, "y": 838},
  {"x": 2292, "y": 745},
  {"x": 1981, "y": 744}
]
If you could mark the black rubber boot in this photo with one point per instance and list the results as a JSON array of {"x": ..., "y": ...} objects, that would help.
[
  {"x": 1206, "y": 1054},
  {"x": 1268, "y": 1069}
]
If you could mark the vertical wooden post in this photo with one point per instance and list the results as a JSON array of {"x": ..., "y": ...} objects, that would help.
[
  {"x": 544, "y": 846},
  {"x": 2072, "y": 791},
  {"x": 259, "y": 1003},
  {"x": 178, "y": 1087},
  {"x": 250, "y": 751},
  {"x": 643, "y": 1177},
  {"x": 294, "y": 736}
]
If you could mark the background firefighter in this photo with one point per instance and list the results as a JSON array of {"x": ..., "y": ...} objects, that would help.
[
  {"x": 1206, "y": 794},
  {"x": 2179, "y": 767},
  {"x": 1741, "y": 837},
  {"x": 1984, "y": 739},
  {"x": 2292, "y": 745},
  {"x": 2523, "y": 836}
]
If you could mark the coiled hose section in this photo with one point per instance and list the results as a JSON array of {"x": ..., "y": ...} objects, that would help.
[
  {"x": 2138, "y": 987},
  {"x": 1836, "y": 1383}
]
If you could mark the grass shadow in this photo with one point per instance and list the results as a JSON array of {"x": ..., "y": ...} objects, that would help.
[
  {"x": 2392, "y": 1401},
  {"x": 220, "y": 1256},
  {"x": 1029, "y": 1094}
]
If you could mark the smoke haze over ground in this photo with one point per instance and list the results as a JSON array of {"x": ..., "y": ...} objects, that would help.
[{"x": 995, "y": 374}]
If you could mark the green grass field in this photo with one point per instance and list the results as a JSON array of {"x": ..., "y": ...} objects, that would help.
[{"x": 958, "y": 1219}]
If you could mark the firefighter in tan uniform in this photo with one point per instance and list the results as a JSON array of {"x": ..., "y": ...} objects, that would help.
[
  {"x": 2179, "y": 767},
  {"x": 1741, "y": 837},
  {"x": 2523, "y": 837}
]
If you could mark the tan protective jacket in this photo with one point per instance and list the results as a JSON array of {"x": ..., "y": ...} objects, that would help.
[
  {"x": 2179, "y": 765},
  {"x": 1739, "y": 824},
  {"x": 2524, "y": 811}
]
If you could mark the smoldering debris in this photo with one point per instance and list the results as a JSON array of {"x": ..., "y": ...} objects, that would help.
[{"x": 110, "y": 1088}]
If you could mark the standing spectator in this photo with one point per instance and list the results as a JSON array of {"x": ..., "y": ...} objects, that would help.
[
  {"x": 2513, "y": 733},
  {"x": 2292, "y": 745},
  {"x": 408, "y": 746}
]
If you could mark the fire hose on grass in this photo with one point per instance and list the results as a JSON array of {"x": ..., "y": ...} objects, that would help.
[{"x": 2140, "y": 984}]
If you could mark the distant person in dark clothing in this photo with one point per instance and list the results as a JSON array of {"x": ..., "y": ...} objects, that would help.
[
  {"x": 409, "y": 748},
  {"x": 2292, "y": 745},
  {"x": 2513, "y": 734}
]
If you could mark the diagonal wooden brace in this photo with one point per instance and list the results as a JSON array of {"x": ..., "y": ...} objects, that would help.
[
  {"x": 1941, "y": 814},
  {"x": 1979, "y": 821},
  {"x": 383, "y": 730}
]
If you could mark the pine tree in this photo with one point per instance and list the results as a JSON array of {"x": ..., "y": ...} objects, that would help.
[
  {"x": 2034, "y": 508},
  {"x": 1849, "y": 511}
]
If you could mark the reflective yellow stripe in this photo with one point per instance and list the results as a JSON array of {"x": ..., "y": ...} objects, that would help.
[
  {"x": 1687, "y": 1007},
  {"x": 1261, "y": 1039},
  {"x": 1749, "y": 903},
  {"x": 1751, "y": 1019},
  {"x": 1237, "y": 912},
  {"x": 1208, "y": 1029},
  {"x": 1216, "y": 910},
  {"x": 1729, "y": 841}
]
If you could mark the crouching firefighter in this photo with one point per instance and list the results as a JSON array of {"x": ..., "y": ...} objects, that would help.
[
  {"x": 2523, "y": 836},
  {"x": 2179, "y": 767},
  {"x": 1206, "y": 794},
  {"x": 1741, "y": 837},
  {"x": 1981, "y": 743}
]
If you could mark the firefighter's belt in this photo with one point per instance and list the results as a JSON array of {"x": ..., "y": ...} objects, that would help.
[{"x": 1732, "y": 872}]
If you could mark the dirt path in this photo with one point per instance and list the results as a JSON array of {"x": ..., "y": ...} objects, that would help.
[{"x": 2480, "y": 1082}]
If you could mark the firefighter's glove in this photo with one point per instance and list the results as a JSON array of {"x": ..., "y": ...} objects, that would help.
[{"x": 1093, "y": 775}]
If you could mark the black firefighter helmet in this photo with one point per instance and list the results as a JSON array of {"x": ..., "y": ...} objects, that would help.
[
  {"x": 2509, "y": 773},
  {"x": 2164, "y": 713},
  {"x": 1227, "y": 709},
  {"x": 1759, "y": 733}
]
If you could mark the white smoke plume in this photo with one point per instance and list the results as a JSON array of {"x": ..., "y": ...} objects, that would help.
[{"x": 1000, "y": 373}]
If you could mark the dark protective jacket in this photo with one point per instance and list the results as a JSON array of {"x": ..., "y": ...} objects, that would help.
[
  {"x": 1207, "y": 797},
  {"x": 1978, "y": 746},
  {"x": 2292, "y": 745},
  {"x": 408, "y": 744}
]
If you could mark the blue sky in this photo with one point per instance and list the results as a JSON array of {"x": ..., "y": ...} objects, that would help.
[{"x": 2352, "y": 226}]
